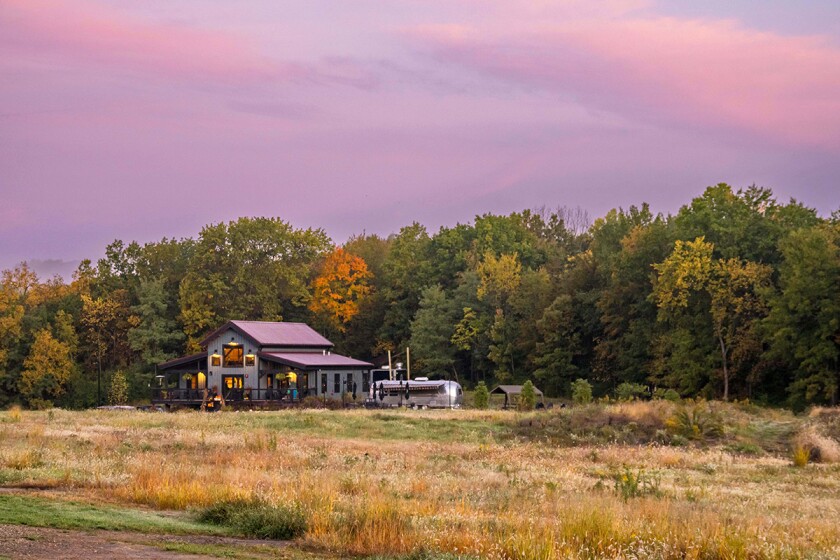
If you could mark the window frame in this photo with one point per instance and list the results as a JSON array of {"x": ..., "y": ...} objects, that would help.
[{"x": 229, "y": 363}]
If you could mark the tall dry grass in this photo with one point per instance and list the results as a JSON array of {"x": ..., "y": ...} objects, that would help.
[{"x": 397, "y": 487}]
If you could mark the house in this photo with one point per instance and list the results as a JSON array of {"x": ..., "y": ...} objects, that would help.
[{"x": 260, "y": 362}]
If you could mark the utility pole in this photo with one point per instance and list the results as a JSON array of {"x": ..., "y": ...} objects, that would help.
[
  {"x": 390, "y": 370},
  {"x": 407, "y": 363}
]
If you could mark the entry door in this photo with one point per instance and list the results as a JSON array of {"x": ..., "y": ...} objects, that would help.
[{"x": 232, "y": 387}]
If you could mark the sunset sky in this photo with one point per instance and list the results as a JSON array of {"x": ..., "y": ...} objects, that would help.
[{"x": 139, "y": 120}]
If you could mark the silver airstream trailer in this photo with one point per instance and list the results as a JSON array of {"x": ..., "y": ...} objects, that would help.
[{"x": 417, "y": 393}]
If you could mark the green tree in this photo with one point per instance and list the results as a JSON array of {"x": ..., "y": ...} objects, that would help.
[
  {"x": 481, "y": 397},
  {"x": 432, "y": 331},
  {"x": 253, "y": 268},
  {"x": 528, "y": 396},
  {"x": 559, "y": 350},
  {"x": 804, "y": 321},
  {"x": 406, "y": 273},
  {"x": 157, "y": 337},
  {"x": 730, "y": 291},
  {"x": 581, "y": 391}
]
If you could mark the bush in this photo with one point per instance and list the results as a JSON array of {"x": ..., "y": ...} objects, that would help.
[
  {"x": 256, "y": 518},
  {"x": 801, "y": 455},
  {"x": 698, "y": 424},
  {"x": 629, "y": 484},
  {"x": 528, "y": 397},
  {"x": 671, "y": 395},
  {"x": 14, "y": 413},
  {"x": 118, "y": 393},
  {"x": 581, "y": 391},
  {"x": 482, "y": 395},
  {"x": 630, "y": 391}
]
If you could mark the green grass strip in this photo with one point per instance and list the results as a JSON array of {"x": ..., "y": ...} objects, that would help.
[{"x": 41, "y": 512}]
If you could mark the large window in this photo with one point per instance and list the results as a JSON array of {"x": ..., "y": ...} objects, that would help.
[
  {"x": 323, "y": 383},
  {"x": 337, "y": 383},
  {"x": 232, "y": 381},
  {"x": 233, "y": 355},
  {"x": 365, "y": 381}
]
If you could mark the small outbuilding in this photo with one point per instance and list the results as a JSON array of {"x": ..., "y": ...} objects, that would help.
[{"x": 512, "y": 394}]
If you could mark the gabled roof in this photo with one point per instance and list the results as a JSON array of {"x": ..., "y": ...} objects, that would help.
[
  {"x": 313, "y": 360},
  {"x": 268, "y": 333},
  {"x": 512, "y": 390}
]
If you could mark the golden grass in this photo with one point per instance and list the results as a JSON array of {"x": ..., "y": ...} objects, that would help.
[{"x": 406, "y": 490}]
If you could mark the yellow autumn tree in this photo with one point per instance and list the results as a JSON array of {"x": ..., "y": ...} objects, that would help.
[
  {"x": 340, "y": 287},
  {"x": 46, "y": 370}
]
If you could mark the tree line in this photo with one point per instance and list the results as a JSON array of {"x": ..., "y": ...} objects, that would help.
[{"x": 735, "y": 296}]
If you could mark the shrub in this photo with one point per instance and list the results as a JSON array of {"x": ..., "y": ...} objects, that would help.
[
  {"x": 671, "y": 395},
  {"x": 630, "y": 391},
  {"x": 118, "y": 393},
  {"x": 257, "y": 518},
  {"x": 629, "y": 484},
  {"x": 581, "y": 391},
  {"x": 698, "y": 424},
  {"x": 14, "y": 413},
  {"x": 482, "y": 395},
  {"x": 528, "y": 397},
  {"x": 801, "y": 455},
  {"x": 822, "y": 449}
]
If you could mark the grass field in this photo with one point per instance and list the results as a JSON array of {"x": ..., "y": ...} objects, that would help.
[{"x": 631, "y": 480}]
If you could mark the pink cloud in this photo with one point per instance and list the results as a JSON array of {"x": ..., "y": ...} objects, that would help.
[
  {"x": 76, "y": 32},
  {"x": 700, "y": 73}
]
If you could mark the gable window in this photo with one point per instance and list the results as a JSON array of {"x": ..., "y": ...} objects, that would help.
[
  {"x": 250, "y": 358},
  {"x": 232, "y": 355}
]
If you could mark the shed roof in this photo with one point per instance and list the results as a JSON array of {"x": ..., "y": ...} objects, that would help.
[
  {"x": 271, "y": 333},
  {"x": 313, "y": 360},
  {"x": 184, "y": 360},
  {"x": 512, "y": 390}
]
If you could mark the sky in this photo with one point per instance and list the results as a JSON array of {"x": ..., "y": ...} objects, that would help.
[{"x": 143, "y": 120}]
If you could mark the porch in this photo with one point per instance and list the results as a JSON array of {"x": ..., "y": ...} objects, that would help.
[{"x": 209, "y": 399}]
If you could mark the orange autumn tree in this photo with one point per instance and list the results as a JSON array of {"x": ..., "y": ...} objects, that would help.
[{"x": 339, "y": 288}]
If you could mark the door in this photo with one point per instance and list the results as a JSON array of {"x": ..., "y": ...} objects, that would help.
[{"x": 232, "y": 387}]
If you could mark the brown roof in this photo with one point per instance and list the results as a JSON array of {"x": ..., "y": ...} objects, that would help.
[
  {"x": 313, "y": 360},
  {"x": 268, "y": 333},
  {"x": 512, "y": 390}
]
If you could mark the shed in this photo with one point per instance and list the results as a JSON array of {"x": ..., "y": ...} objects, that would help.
[{"x": 512, "y": 393}]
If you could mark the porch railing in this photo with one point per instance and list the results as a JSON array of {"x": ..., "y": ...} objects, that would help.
[{"x": 229, "y": 395}]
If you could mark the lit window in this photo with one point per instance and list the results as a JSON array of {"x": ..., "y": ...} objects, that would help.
[
  {"x": 233, "y": 354},
  {"x": 249, "y": 359}
]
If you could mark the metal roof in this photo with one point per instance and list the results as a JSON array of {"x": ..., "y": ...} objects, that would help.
[
  {"x": 313, "y": 360},
  {"x": 512, "y": 390},
  {"x": 271, "y": 333},
  {"x": 183, "y": 360}
]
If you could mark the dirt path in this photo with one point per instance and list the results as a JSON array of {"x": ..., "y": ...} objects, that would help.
[{"x": 21, "y": 542}]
